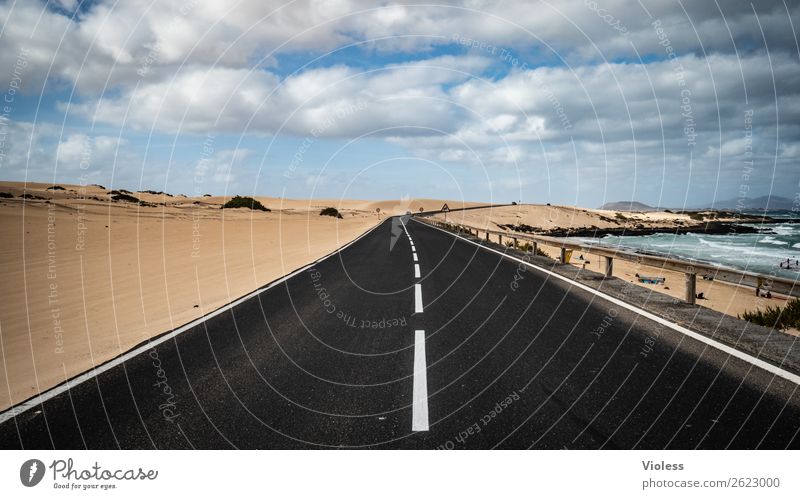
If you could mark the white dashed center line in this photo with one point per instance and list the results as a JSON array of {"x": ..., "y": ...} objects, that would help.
[{"x": 419, "y": 418}]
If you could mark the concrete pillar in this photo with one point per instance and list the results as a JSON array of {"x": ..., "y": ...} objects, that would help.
[
  {"x": 609, "y": 266},
  {"x": 534, "y": 246},
  {"x": 563, "y": 255},
  {"x": 515, "y": 243},
  {"x": 487, "y": 235},
  {"x": 691, "y": 288},
  {"x": 500, "y": 239}
]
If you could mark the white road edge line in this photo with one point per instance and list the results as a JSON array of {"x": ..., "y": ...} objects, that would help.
[
  {"x": 418, "y": 298},
  {"x": 416, "y": 270},
  {"x": 782, "y": 373},
  {"x": 419, "y": 412},
  {"x": 81, "y": 378}
]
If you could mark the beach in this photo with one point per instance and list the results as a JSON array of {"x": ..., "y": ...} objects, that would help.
[{"x": 727, "y": 298}]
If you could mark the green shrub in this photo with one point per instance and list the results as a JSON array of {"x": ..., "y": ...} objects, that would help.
[
  {"x": 330, "y": 212},
  {"x": 244, "y": 202},
  {"x": 55, "y": 188},
  {"x": 776, "y": 317}
]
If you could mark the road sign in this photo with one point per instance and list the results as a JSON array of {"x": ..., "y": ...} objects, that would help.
[{"x": 445, "y": 208}]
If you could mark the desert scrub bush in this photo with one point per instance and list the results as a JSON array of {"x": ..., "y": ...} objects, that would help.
[
  {"x": 528, "y": 246},
  {"x": 6, "y": 195},
  {"x": 121, "y": 196},
  {"x": 776, "y": 317},
  {"x": 55, "y": 188},
  {"x": 451, "y": 227},
  {"x": 620, "y": 216},
  {"x": 696, "y": 216},
  {"x": 330, "y": 212},
  {"x": 244, "y": 202}
]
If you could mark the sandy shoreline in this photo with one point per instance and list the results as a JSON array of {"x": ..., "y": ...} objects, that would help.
[{"x": 727, "y": 298}]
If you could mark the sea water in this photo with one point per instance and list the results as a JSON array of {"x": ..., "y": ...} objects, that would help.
[{"x": 760, "y": 253}]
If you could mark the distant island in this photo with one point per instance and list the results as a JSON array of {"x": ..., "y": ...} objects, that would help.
[
  {"x": 629, "y": 206},
  {"x": 762, "y": 203}
]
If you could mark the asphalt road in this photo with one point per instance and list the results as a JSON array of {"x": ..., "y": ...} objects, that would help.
[{"x": 476, "y": 352}]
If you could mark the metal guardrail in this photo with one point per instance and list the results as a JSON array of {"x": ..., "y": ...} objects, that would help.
[{"x": 689, "y": 269}]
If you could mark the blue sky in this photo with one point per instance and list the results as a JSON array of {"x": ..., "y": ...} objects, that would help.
[{"x": 571, "y": 103}]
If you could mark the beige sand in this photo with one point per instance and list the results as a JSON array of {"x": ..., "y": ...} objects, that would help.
[{"x": 108, "y": 275}]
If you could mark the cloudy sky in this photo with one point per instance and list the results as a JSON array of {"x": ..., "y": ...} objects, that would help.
[{"x": 669, "y": 102}]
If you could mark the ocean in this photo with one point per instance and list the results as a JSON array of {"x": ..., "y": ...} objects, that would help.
[{"x": 759, "y": 253}]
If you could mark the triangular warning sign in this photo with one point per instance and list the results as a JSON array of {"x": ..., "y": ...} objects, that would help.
[{"x": 445, "y": 208}]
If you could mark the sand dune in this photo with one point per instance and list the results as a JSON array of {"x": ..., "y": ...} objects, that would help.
[{"x": 545, "y": 218}]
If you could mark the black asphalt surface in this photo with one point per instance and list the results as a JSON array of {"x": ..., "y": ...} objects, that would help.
[{"x": 515, "y": 359}]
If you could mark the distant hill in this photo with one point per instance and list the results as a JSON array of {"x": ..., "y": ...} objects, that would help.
[
  {"x": 628, "y": 206},
  {"x": 759, "y": 203}
]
